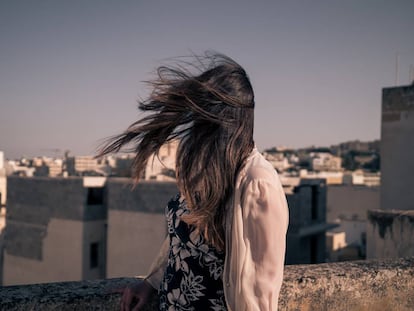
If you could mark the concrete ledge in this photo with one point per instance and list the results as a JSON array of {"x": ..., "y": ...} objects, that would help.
[
  {"x": 390, "y": 234},
  {"x": 361, "y": 285},
  {"x": 384, "y": 219},
  {"x": 386, "y": 285}
]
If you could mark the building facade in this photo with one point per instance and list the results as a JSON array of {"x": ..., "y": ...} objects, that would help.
[
  {"x": 348, "y": 206},
  {"x": 136, "y": 224},
  {"x": 390, "y": 232},
  {"x": 69, "y": 229},
  {"x": 306, "y": 241},
  {"x": 397, "y": 148},
  {"x": 55, "y": 230}
]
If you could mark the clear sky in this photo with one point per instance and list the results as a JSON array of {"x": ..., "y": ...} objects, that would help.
[{"x": 71, "y": 71}]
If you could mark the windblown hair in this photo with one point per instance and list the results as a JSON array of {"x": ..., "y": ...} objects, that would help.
[{"x": 211, "y": 112}]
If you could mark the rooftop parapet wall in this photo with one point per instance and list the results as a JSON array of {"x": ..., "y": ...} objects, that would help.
[
  {"x": 361, "y": 285},
  {"x": 390, "y": 233}
]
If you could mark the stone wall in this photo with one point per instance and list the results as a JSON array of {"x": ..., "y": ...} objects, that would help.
[
  {"x": 361, "y": 285},
  {"x": 390, "y": 234}
]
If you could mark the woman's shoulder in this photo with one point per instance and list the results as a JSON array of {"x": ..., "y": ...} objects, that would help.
[{"x": 258, "y": 168}]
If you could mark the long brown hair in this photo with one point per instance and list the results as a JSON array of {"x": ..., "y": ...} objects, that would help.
[{"x": 211, "y": 113}]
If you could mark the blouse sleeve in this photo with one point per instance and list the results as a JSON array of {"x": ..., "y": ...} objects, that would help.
[
  {"x": 156, "y": 271},
  {"x": 265, "y": 222}
]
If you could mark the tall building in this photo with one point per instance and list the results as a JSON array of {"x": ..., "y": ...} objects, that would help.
[
  {"x": 397, "y": 148},
  {"x": 390, "y": 231},
  {"x": 307, "y": 222}
]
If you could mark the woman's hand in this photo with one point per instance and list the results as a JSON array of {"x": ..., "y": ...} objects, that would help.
[{"x": 135, "y": 296}]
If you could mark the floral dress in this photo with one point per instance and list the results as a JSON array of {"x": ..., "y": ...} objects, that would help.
[{"x": 193, "y": 277}]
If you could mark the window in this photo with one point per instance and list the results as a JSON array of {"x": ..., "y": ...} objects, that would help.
[
  {"x": 95, "y": 196},
  {"x": 94, "y": 255}
]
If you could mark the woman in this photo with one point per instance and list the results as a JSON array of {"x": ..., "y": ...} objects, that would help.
[{"x": 227, "y": 228}]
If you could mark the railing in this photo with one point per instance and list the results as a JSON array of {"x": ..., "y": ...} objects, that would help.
[{"x": 380, "y": 285}]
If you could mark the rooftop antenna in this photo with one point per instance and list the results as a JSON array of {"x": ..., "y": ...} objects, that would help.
[{"x": 397, "y": 56}]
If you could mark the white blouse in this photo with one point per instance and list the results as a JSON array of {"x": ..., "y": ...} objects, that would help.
[{"x": 255, "y": 240}]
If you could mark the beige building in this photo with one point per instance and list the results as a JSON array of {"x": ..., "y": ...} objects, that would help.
[
  {"x": 55, "y": 230},
  {"x": 120, "y": 165},
  {"x": 332, "y": 178},
  {"x": 360, "y": 177},
  {"x": 335, "y": 243},
  {"x": 278, "y": 160},
  {"x": 136, "y": 224},
  {"x": 347, "y": 206},
  {"x": 48, "y": 167},
  {"x": 324, "y": 161},
  {"x": 162, "y": 167},
  {"x": 77, "y": 166},
  {"x": 68, "y": 229}
]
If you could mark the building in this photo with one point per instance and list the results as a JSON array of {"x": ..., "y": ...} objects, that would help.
[
  {"x": 136, "y": 224},
  {"x": 121, "y": 166},
  {"x": 278, "y": 160},
  {"x": 392, "y": 226},
  {"x": 81, "y": 165},
  {"x": 19, "y": 168},
  {"x": 359, "y": 177},
  {"x": 48, "y": 167},
  {"x": 55, "y": 230},
  {"x": 161, "y": 167},
  {"x": 397, "y": 148},
  {"x": 324, "y": 161},
  {"x": 306, "y": 242},
  {"x": 347, "y": 206},
  {"x": 74, "y": 228},
  {"x": 335, "y": 244},
  {"x": 331, "y": 177}
]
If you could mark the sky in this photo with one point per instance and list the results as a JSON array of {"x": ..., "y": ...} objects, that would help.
[{"x": 71, "y": 71}]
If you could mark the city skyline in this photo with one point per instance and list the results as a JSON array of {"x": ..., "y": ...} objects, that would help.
[{"x": 71, "y": 72}]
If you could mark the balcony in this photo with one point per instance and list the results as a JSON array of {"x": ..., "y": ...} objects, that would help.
[{"x": 359, "y": 285}]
